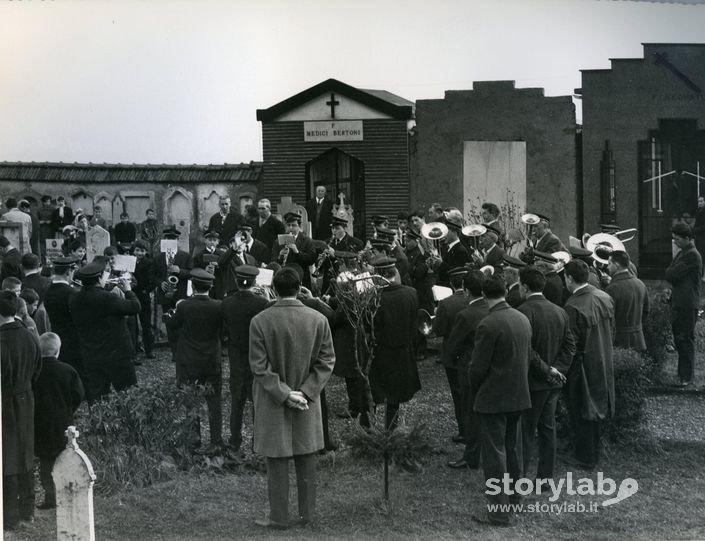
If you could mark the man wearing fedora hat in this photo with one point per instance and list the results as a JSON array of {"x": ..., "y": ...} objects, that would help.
[{"x": 197, "y": 323}]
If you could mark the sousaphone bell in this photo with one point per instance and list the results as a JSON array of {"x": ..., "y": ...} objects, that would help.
[
  {"x": 435, "y": 231},
  {"x": 602, "y": 245}
]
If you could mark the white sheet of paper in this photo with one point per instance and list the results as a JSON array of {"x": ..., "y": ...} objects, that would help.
[
  {"x": 264, "y": 278},
  {"x": 168, "y": 245},
  {"x": 441, "y": 292},
  {"x": 125, "y": 263}
]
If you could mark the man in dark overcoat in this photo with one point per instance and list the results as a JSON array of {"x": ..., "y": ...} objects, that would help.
[
  {"x": 197, "y": 322},
  {"x": 238, "y": 310},
  {"x": 446, "y": 313},
  {"x": 492, "y": 252},
  {"x": 631, "y": 303},
  {"x": 20, "y": 361},
  {"x": 553, "y": 349},
  {"x": 226, "y": 221},
  {"x": 684, "y": 274},
  {"x": 57, "y": 394},
  {"x": 320, "y": 212},
  {"x": 499, "y": 382},
  {"x": 269, "y": 226},
  {"x": 99, "y": 317},
  {"x": 302, "y": 251},
  {"x": 394, "y": 377},
  {"x": 32, "y": 277},
  {"x": 591, "y": 376},
  {"x": 458, "y": 352},
  {"x": 546, "y": 241},
  {"x": 291, "y": 358}
]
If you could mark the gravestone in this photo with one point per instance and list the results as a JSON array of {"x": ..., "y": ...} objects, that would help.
[
  {"x": 341, "y": 210},
  {"x": 18, "y": 235},
  {"x": 74, "y": 477},
  {"x": 97, "y": 240}
]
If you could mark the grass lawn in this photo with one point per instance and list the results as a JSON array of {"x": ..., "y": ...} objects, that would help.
[{"x": 436, "y": 503}]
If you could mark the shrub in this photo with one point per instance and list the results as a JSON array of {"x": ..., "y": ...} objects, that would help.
[
  {"x": 141, "y": 435},
  {"x": 631, "y": 384},
  {"x": 657, "y": 333}
]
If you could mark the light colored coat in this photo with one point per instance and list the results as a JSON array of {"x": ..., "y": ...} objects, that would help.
[{"x": 291, "y": 349}]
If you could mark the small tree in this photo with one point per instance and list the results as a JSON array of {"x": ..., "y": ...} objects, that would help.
[{"x": 359, "y": 294}]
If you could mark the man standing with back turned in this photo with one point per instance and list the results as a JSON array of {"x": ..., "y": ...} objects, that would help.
[{"x": 291, "y": 358}]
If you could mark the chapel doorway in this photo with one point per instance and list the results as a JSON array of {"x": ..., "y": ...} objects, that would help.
[
  {"x": 340, "y": 173},
  {"x": 671, "y": 174}
]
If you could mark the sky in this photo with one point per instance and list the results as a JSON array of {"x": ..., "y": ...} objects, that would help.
[{"x": 167, "y": 81}]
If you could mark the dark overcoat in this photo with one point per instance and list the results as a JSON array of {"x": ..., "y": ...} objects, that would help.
[
  {"x": 21, "y": 362},
  {"x": 457, "y": 350},
  {"x": 225, "y": 226},
  {"x": 421, "y": 278},
  {"x": 552, "y": 342},
  {"x": 39, "y": 283},
  {"x": 268, "y": 231},
  {"x": 495, "y": 257},
  {"x": 238, "y": 311},
  {"x": 197, "y": 322},
  {"x": 631, "y": 306},
  {"x": 260, "y": 252},
  {"x": 447, "y": 309},
  {"x": 591, "y": 315},
  {"x": 57, "y": 394},
  {"x": 11, "y": 265},
  {"x": 99, "y": 317},
  {"x": 394, "y": 376},
  {"x": 226, "y": 275},
  {"x": 320, "y": 222},
  {"x": 290, "y": 349},
  {"x": 456, "y": 256},
  {"x": 684, "y": 274},
  {"x": 549, "y": 244},
  {"x": 57, "y": 307},
  {"x": 499, "y": 367}
]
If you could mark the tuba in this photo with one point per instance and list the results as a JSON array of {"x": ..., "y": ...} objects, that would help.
[
  {"x": 529, "y": 220},
  {"x": 602, "y": 245},
  {"x": 435, "y": 232}
]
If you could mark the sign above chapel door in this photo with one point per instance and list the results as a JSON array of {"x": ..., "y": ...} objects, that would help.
[{"x": 334, "y": 130}]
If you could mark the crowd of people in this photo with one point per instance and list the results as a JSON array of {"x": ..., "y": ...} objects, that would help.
[{"x": 517, "y": 331}]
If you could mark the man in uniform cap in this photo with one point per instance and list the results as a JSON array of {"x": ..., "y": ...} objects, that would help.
[
  {"x": 302, "y": 251},
  {"x": 394, "y": 377},
  {"x": 585, "y": 255},
  {"x": 238, "y": 310},
  {"x": 546, "y": 241},
  {"x": 99, "y": 317},
  {"x": 492, "y": 252},
  {"x": 453, "y": 254},
  {"x": 447, "y": 311},
  {"x": 197, "y": 324},
  {"x": 379, "y": 220},
  {"x": 397, "y": 252},
  {"x": 512, "y": 266},
  {"x": 56, "y": 303}
]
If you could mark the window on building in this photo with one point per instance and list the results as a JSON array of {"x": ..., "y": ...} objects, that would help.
[{"x": 608, "y": 185}]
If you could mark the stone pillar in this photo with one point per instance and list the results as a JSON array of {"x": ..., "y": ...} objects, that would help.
[{"x": 74, "y": 477}]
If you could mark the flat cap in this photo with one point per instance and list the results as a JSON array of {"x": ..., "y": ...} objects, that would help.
[{"x": 244, "y": 226}]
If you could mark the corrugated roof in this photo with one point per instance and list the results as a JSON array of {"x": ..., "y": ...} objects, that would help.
[
  {"x": 388, "y": 96},
  {"x": 121, "y": 173}
]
